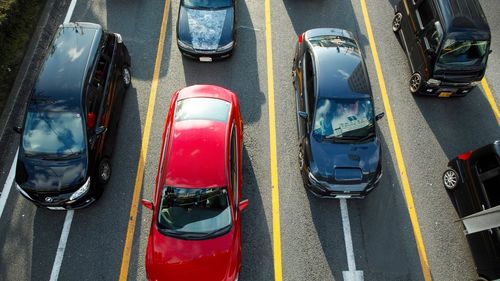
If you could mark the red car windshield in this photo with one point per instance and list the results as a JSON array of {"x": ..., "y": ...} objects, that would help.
[{"x": 194, "y": 213}]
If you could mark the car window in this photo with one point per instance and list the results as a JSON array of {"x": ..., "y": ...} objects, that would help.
[
  {"x": 233, "y": 164},
  {"x": 202, "y": 109},
  {"x": 434, "y": 35},
  {"x": 53, "y": 133},
  {"x": 198, "y": 212},
  {"x": 463, "y": 52},
  {"x": 424, "y": 13},
  {"x": 309, "y": 82}
]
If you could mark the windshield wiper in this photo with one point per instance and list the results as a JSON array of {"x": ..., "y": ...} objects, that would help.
[
  {"x": 70, "y": 155},
  {"x": 367, "y": 137}
]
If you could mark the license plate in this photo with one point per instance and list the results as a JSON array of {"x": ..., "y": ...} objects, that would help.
[
  {"x": 343, "y": 196},
  {"x": 445, "y": 94},
  {"x": 56, "y": 208},
  {"x": 206, "y": 59}
]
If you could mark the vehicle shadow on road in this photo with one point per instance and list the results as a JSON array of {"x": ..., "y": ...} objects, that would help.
[
  {"x": 460, "y": 124},
  {"x": 239, "y": 73},
  {"x": 306, "y": 15},
  {"x": 257, "y": 250},
  {"x": 385, "y": 229},
  {"x": 383, "y": 241}
]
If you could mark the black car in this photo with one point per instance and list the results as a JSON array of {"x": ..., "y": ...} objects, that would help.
[
  {"x": 339, "y": 154},
  {"x": 447, "y": 43},
  {"x": 71, "y": 118},
  {"x": 206, "y": 29},
  {"x": 473, "y": 183}
]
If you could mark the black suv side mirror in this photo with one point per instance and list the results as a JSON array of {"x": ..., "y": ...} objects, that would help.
[
  {"x": 379, "y": 116},
  {"x": 17, "y": 129}
]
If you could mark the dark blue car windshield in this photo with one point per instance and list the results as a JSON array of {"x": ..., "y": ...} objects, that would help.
[
  {"x": 53, "y": 133},
  {"x": 207, "y": 4}
]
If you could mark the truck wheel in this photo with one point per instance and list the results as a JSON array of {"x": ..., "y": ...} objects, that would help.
[
  {"x": 450, "y": 179},
  {"x": 104, "y": 171},
  {"x": 415, "y": 83},
  {"x": 396, "y": 22}
]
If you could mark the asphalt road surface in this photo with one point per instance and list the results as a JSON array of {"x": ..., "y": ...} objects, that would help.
[{"x": 373, "y": 238}]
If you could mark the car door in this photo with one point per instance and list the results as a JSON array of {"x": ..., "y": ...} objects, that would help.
[
  {"x": 298, "y": 82},
  {"x": 111, "y": 103},
  {"x": 424, "y": 14}
]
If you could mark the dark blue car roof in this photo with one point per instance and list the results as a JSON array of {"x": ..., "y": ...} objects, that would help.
[
  {"x": 61, "y": 79},
  {"x": 340, "y": 71}
]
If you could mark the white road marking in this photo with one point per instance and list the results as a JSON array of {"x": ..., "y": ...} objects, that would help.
[
  {"x": 70, "y": 11},
  {"x": 54, "y": 275},
  {"x": 351, "y": 274},
  {"x": 8, "y": 184}
]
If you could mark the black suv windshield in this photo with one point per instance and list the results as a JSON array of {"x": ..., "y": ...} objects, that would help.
[
  {"x": 194, "y": 213},
  {"x": 343, "y": 119},
  {"x": 53, "y": 133},
  {"x": 463, "y": 52},
  {"x": 207, "y": 4}
]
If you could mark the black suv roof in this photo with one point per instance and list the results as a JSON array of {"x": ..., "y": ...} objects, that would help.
[
  {"x": 60, "y": 83},
  {"x": 463, "y": 14}
]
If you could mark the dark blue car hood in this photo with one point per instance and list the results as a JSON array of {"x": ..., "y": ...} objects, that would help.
[
  {"x": 205, "y": 29},
  {"x": 36, "y": 175},
  {"x": 345, "y": 163}
]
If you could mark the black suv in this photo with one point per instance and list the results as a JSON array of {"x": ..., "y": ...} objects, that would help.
[
  {"x": 447, "y": 43},
  {"x": 71, "y": 118},
  {"x": 473, "y": 183}
]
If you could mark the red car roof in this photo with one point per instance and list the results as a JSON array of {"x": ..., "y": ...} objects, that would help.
[{"x": 197, "y": 154}]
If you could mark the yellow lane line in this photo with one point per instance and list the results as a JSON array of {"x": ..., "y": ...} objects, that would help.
[
  {"x": 491, "y": 99},
  {"x": 127, "y": 249},
  {"x": 272, "y": 140},
  {"x": 397, "y": 149}
]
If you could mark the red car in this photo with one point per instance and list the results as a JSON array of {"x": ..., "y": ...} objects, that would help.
[{"x": 196, "y": 227}]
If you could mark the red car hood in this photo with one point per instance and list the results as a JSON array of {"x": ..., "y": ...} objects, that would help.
[{"x": 178, "y": 259}]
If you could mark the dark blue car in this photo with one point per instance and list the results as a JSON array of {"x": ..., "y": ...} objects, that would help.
[
  {"x": 206, "y": 29},
  {"x": 339, "y": 154}
]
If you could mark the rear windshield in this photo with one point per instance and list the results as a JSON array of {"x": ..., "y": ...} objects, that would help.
[
  {"x": 202, "y": 109},
  {"x": 54, "y": 133},
  {"x": 463, "y": 52}
]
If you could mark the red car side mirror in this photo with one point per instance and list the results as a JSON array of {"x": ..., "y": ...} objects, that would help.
[
  {"x": 243, "y": 205},
  {"x": 148, "y": 204}
]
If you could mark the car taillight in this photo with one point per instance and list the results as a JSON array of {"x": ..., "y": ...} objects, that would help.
[
  {"x": 301, "y": 38},
  {"x": 465, "y": 156}
]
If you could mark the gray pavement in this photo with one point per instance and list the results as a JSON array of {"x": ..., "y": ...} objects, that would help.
[{"x": 430, "y": 131}]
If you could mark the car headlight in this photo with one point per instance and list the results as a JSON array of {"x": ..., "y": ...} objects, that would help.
[
  {"x": 312, "y": 179},
  {"x": 20, "y": 189},
  {"x": 433, "y": 82},
  {"x": 226, "y": 47},
  {"x": 184, "y": 45},
  {"x": 81, "y": 191}
]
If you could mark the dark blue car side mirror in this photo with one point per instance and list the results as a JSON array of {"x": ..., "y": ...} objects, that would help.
[
  {"x": 303, "y": 114},
  {"x": 379, "y": 116}
]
